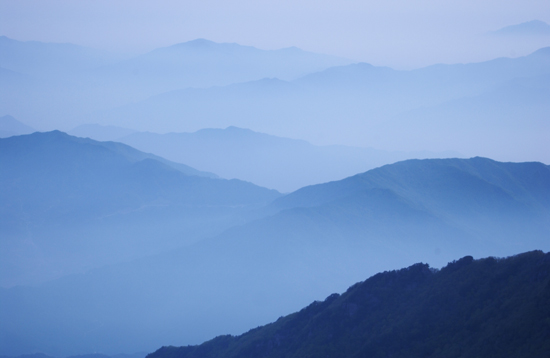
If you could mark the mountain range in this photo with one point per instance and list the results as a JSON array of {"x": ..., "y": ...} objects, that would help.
[
  {"x": 445, "y": 107},
  {"x": 473, "y": 109},
  {"x": 60, "y": 84},
  {"x": 274, "y": 162},
  {"x": 203, "y": 63},
  {"x": 158, "y": 225},
  {"x": 298, "y": 248}
]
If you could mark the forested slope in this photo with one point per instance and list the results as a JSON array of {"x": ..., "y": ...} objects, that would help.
[{"x": 470, "y": 308}]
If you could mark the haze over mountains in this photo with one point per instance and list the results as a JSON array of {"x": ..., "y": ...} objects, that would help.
[
  {"x": 279, "y": 163},
  {"x": 154, "y": 221},
  {"x": 447, "y": 107},
  {"x": 59, "y": 94},
  {"x": 203, "y": 63},
  {"x": 306, "y": 245},
  {"x": 289, "y": 93}
]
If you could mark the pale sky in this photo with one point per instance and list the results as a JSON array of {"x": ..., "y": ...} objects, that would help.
[{"x": 396, "y": 33}]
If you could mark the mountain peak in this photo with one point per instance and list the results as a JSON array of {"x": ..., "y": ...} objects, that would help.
[
  {"x": 238, "y": 129},
  {"x": 201, "y": 45},
  {"x": 199, "y": 42}
]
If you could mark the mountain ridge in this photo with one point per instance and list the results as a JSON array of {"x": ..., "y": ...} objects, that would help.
[
  {"x": 270, "y": 161},
  {"x": 475, "y": 166},
  {"x": 71, "y": 203},
  {"x": 470, "y": 308}
]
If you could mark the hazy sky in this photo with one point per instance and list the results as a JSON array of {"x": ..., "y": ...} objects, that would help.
[{"x": 397, "y": 33}]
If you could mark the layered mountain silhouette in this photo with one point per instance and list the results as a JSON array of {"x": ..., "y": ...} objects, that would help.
[
  {"x": 281, "y": 163},
  {"x": 65, "y": 81},
  {"x": 302, "y": 247},
  {"x": 469, "y": 308},
  {"x": 132, "y": 245},
  {"x": 446, "y": 107},
  {"x": 203, "y": 63},
  {"x": 70, "y": 203}
]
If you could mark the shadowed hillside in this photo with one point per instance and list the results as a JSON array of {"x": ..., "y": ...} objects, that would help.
[{"x": 470, "y": 308}]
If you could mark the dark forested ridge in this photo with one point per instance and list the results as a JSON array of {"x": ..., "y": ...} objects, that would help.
[{"x": 471, "y": 308}]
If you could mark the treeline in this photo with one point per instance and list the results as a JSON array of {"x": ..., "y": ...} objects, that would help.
[{"x": 470, "y": 308}]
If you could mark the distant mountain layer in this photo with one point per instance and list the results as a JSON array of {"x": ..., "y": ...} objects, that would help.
[
  {"x": 70, "y": 203},
  {"x": 495, "y": 109},
  {"x": 49, "y": 59},
  {"x": 203, "y": 63},
  {"x": 64, "y": 82},
  {"x": 274, "y": 162},
  {"x": 530, "y": 28},
  {"x": 482, "y": 108},
  {"x": 470, "y": 308},
  {"x": 10, "y": 126},
  {"x": 303, "y": 246}
]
